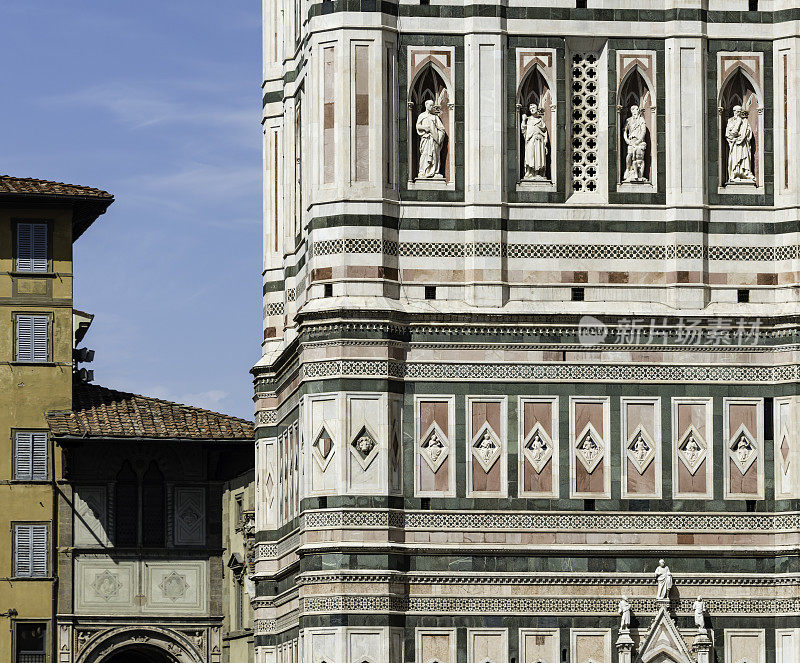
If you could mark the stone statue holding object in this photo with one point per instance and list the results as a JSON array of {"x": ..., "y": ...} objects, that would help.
[
  {"x": 635, "y": 136},
  {"x": 664, "y": 578},
  {"x": 699, "y": 608},
  {"x": 624, "y": 609},
  {"x": 431, "y": 134},
  {"x": 739, "y": 135},
  {"x": 534, "y": 131}
]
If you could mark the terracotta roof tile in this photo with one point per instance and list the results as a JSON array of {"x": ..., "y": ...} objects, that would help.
[
  {"x": 101, "y": 412},
  {"x": 30, "y": 186}
]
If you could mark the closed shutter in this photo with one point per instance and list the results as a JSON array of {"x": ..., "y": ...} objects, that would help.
[
  {"x": 23, "y": 545},
  {"x": 23, "y": 456},
  {"x": 24, "y": 338},
  {"x": 30, "y": 551},
  {"x": 39, "y": 553},
  {"x": 24, "y": 247},
  {"x": 32, "y": 332},
  {"x": 39, "y": 457},
  {"x": 31, "y": 247}
]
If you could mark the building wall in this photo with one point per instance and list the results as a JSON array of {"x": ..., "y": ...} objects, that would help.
[
  {"x": 26, "y": 393},
  {"x": 237, "y": 518},
  {"x": 420, "y": 335}
]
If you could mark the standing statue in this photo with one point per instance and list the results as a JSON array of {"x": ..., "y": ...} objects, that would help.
[
  {"x": 431, "y": 137},
  {"x": 624, "y": 609},
  {"x": 635, "y": 136},
  {"x": 664, "y": 577},
  {"x": 534, "y": 130},
  {"x": 739, "y": 136},
  {"x": 699, "y": 607}
]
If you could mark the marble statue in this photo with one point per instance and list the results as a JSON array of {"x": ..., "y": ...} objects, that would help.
[
  {"x": 486, "y": 447},
  {"x": 534, "y": 130},
  {"x": 435, "y": 447},
  {"x": 641, "y": 450},
  {"x": 664, "y": 577},
  {"x": 624, "y": 609},
  {"x": 635, "y": 136},
  {"x": 699, "y": 607},
  {"x": 740, "y": 138},
  {"x": 743, "y": 450},
  {"x": 431, "y": 138}
]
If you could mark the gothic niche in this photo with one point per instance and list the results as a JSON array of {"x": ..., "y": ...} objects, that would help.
[
  {"x": 636, "y": 111},
  {"x": 535, "y": 117},
  {"x": 740, "y": 131},
  {"x": 430, "y": 114}
]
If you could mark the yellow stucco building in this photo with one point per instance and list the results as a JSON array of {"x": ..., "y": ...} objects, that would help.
[{"x": 39, "y": 221}]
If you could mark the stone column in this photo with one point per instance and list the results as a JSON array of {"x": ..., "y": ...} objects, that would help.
[
  {"x": 702, "y": 647},
  {"x": 625, "y": 646}
]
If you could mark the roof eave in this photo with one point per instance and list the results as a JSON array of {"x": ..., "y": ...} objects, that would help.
[
  {"x": 117, "y": 438},
  {"x": 85, "y": 209}
]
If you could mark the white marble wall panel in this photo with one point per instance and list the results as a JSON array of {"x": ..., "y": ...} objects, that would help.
[
  {"x": 90, "y": 516},
  {"x": 487, "y": 645},
  {"x": 539, "y": 644}
]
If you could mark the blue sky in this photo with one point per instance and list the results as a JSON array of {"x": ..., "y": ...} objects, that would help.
[{"x": 158, "y": 103}]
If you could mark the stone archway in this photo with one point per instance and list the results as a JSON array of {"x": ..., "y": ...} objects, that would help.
[
  {"x": 139, "y": 654},
  {"x": 136, "y": 644}
]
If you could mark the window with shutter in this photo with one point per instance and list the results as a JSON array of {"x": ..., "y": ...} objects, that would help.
[
  {"x": 30, "y": 456},
  {"x": 31, "y": 247},
  {"x": 127, "y": 507},
  {"x": 30, "y": 551},
  {"x": 32, "y": 338}
]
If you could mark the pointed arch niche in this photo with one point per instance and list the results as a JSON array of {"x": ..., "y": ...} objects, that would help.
[
  {"x": 536, "y": 77},
  {"x": 740, "y": 83},
  {"x": 431, "y": 75},
  {"x": 636, "y": 86}
]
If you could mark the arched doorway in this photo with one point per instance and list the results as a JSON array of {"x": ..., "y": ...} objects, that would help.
[{"x": 139, "y": 654}]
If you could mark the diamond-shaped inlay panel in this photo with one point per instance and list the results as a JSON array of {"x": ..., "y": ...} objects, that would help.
[
  {"x": 785, "y": 450},
  {"x": 106, "y": 585},
  {"x": 744, "y": 449},
  {"x": 434, "y": 447},
  {"x": 538, "y": 447},
  {"x": 589, "y": 448},
  {"x": 323, "y": 447},
  {"x": 486, "y": 447},
  {"x": 364, "y": 447},
  {"x": 641, "y": 449},
  {"x": 692, "y": 449},
  {"x": 174, "y": 586}
]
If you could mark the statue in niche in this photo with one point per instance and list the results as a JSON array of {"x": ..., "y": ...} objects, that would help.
[
  {"x": 635, "y": 136},
  {"x": 486, "y": 447},
  {"x": 743, "y": 450},
  {"x": 664, "y": 578},
  {"x": 739, "y": 135},
  {"x": 699, "y": 608},
  {"x": 534, "y": 130},
  {"x": 431, "y": 134},
  {"x": 624, "y": 609}
]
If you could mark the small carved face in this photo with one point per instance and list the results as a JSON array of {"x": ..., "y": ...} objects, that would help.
[
  {"x": 429, "y": 105},
  {"x": 365, "y": 444},
  {"x": 634, "y": 111},
  {"x": 534, "y": 109}
]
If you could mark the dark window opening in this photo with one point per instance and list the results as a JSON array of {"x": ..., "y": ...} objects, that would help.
[
  {"x": 239, "y": 625},
  {"x": 580, "y": 4},
  {"x": 425, "y": 504},
  {"x": 153, "y": 507},
  {"x": 750, "y": 505},
  {"x": 588, "y": 505},
  {"x": 752, "y": 5},
  {"x": 578, "y": 294},
  {"x": 329, "y": 289},
  {"x": 31, "y": 642},
  {"x": 424, "y": 2},
  {"x": 430, "y": 292},
  {"x": 126, "y": 501},
  {"x": 323, "y": 502},
  {"x": 743, "y": 296}
]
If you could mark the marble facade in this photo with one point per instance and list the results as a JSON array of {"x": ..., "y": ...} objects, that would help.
[{"x": 491, "y": 398}]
